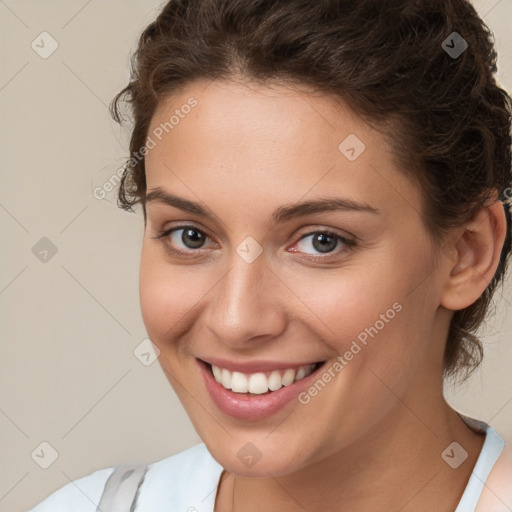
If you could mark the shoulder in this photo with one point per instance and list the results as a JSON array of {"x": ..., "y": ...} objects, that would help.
[
  {"x": 497, "y": 492},
  {"x": 82, "y": 494},
  {"x": 183, "y": 478}
]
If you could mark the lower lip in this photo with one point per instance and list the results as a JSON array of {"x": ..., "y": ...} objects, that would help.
[{"x": 245, "y": 406}]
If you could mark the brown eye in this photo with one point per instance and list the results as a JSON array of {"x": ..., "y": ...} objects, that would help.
[
  {"x": 192, "y": 238},
  {"x": 183, "y": 239},
  {"x": 322, "y": 242}
]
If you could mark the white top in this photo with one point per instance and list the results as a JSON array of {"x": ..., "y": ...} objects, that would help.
[{"x": 187, "y": 482}]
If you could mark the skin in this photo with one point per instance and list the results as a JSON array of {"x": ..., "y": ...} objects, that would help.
[{"x": 372, "y": 438}]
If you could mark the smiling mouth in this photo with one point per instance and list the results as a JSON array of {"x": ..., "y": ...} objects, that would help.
[{"x": 259, "y": 383}]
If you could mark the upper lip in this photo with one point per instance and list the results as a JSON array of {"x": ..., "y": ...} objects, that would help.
[{"x": 255, "y": 366}]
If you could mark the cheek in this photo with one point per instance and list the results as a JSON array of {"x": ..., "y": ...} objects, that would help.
[
  {"x": 368, "y": 313},
  {"x": 167, "y": 293},
  {"x": 342, "y": 303}
]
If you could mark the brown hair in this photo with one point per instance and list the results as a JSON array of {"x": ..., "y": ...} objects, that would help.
[{"x": 447, "y": 119}]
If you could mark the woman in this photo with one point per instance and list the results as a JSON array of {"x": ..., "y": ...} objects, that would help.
[{"x": 325, "y": 191}]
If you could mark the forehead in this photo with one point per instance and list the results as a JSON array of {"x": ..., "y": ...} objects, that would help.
[
  {"x": 275, "y": 142},
  {"x": 229, "y": 113}
]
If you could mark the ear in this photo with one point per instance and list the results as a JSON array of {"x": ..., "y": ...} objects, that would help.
[{"x": 476, "y": 256}]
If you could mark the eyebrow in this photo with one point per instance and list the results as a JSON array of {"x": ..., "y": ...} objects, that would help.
[{"x": 281, "y": 214}]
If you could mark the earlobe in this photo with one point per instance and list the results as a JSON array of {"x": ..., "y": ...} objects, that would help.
[{"x": 478, "y": 253}]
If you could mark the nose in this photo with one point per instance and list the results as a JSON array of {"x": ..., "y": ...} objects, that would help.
[{"x": 246, "y": 308}]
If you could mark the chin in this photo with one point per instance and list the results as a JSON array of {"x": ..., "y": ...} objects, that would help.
[{"x": 260, "y": 459}]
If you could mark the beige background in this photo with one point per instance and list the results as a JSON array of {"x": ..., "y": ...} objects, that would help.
[{"x": 70, "y": 325}]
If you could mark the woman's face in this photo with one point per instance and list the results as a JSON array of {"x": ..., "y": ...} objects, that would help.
[{"x": 250, "y": 280}]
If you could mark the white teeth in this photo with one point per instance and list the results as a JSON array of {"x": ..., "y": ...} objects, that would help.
[
  {"x": 217, "y": 373},
  {"x": 259, "y": 383},
  {"x": 225, "y": 379},
  {"x": 274, "y": 381},
  {"x": 239, "y": 383},
  {"x": 300, "y": 374},
  {"x": 288, "y": 377}
]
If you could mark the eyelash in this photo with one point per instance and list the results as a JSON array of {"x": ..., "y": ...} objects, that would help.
[{"x": 346, "y": 242}]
